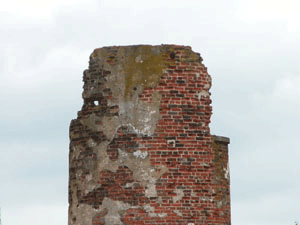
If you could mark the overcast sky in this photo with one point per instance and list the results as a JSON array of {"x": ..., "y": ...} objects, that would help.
[{"x": 251, "y": 49}]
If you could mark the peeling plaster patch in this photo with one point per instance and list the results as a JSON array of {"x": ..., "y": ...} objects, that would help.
[
  {"x": 171, "y": 142},
  {"x": 91, "y": 143},
  {"x": 179, "y": 195},
  {"x": 154, "y": 111},
  {"x": 151, "y": 211},
  {"x": 103, "y": 161},
  {"x": 159, "y": 200},
  {"x": 207, "y": 86},
  {"x": 194, "y": 194},
  {"x": 115, "y": 209},
  {"x": 129, "y": 185},
  {"x": 140, "y": 154},
  {"x": 177, "y": 212},
  {"x": 219, "y": 204},
  {"x": 190, "y": 224},
  {"x": 162, "y": 215},
  {"x": 109, "y": 123},
  {"x": 89, "y": 185},
  {"x": 151, "y": 190},
  {"x": 84, "y": 214},
  {"x": 140, "y": 115},
  {"x": 226, "y": 172},
  {"x": 89, "y": 177},
  {"x": 160, "y": 170},
  {"x": 138, "y": 59},
  {"x": 76, "y": 152},
  {"x": 204, "y": 165},
  {"x": 206, "y": 199},
  {"x": 90, "y": 122},
  {"x": 143, "y": 171},
  {"x": 203, "y": 94}
]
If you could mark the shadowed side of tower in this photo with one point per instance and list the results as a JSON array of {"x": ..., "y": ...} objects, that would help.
[{"x": 140, "y": 149}]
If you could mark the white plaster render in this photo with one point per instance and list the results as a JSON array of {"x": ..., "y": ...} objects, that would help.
[
  {"x": 129, "y": 185},
  {"x": 207, "y": 199},
  {"x": 203, "y": 93},
  {"x": 143, "y": 171},
  {"x": 115, "y": 209},
  {"x": 138, "y": 59},
  {"x": 140, "y": 154},
  {"x": 226, "y": 172},
  {"x": 179, "y": 195},
  {"x": 137, "y": 162},
  {"x": 171, "y": 142},
  {"x": 84, "y": 214},
  {"x": 151, "y": 211},
  {"x": 177, "y": 212}
]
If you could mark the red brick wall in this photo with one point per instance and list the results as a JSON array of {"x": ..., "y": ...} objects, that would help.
[{"x": 168, "y": 172}]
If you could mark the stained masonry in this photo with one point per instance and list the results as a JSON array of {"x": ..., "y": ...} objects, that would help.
[{"x": 141, "y": 151}]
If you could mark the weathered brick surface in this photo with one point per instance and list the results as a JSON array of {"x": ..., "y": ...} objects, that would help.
[{"x": 140, "y": 149}]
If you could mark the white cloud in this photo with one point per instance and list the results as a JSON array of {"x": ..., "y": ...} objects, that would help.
[
  {"x": 46, "y": 45},
  {"x": 269, "y": 162},
  {"x": 38, "y": 94},
  {"x": 35, "y": 214},
  {"x": 53, "y": 68},
  {"x": 287, "y": 88},
  {"x": 283, "y": 99},
  {"x": 276, "y": 208},
  {"x": 271, "y": 10},
  {"x": 34, "y": 9},
  {"x": 34, "y": 182}
]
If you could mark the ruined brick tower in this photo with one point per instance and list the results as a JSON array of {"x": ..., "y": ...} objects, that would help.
[{"x": 141, "y": 151}]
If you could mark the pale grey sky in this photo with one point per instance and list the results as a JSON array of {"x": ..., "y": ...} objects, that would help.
[{"x": 252, "y": 52}]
